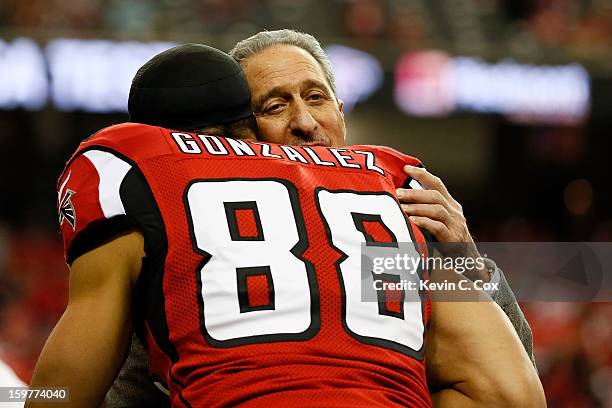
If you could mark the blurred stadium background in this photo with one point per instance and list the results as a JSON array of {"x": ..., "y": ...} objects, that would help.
[{"x": 508, "y": 101}]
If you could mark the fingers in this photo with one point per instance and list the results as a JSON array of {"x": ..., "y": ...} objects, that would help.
[
  {"x": 437, "y": 228},
  {"x": 420, "y": 196},
  {"x": 429, "y": 210},
  {"x": 433, "y": 208},
  {"x": 434, "y": 211},
  {"x": 430, "y": 182},
  {"x": 427, "y": 180}
]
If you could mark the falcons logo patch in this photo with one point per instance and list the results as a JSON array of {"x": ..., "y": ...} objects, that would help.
[
  {"x": 65, "y": 207},
  {"x": 66, "y": 210}
]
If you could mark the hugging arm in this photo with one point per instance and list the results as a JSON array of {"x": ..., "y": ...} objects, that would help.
[
  {"x": 433, "y": 209},
  {"x": 89, "y": 343},
  {"x": 474, "y": 357}
]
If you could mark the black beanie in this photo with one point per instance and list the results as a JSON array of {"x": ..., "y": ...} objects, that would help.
[{"x": 189, "y": 87}]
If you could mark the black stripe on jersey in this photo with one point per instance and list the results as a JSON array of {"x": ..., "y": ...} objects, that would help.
[
  {"x": 242, "y": 275},
  {"x": 183, "y": 400},
  {"x": 101, "y": 231},
  {"x": 139, "y": 202},
  {"x": 359, "y": 221},
  {"x": 381, "y": 296},
  {"x": 98, "y": 233},
  {"x": 181, "y": 386},
  {"x": 142, "y": 213},
  {"x": 149, "y": 301},
  {"x": 232, "y": 220}
]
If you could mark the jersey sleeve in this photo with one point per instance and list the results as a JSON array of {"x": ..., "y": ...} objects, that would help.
[{"x": 101, "y": 195}]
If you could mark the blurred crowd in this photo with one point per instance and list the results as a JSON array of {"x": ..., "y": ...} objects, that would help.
[
  {"x": 573, "y": 352},
  {"x": 583, "y": 25}
]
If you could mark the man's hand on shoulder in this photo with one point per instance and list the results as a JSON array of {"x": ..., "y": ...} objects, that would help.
[{"x": 432, "y": 208}]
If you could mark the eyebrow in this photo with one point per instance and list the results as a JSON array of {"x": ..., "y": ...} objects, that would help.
[
  {"x": 276, "y": 91},
  {"x": 280, "y": 91}
]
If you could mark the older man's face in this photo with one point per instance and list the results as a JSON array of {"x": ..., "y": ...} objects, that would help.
[{"x": 292, "y": 100}]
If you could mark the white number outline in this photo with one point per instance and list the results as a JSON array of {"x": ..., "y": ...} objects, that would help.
[
  {"x": 298, "y": 251},
  {"x": 380, "y": 342}
]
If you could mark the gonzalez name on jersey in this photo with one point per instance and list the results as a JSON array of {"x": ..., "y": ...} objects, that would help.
[{"x": 251, "y": 290}]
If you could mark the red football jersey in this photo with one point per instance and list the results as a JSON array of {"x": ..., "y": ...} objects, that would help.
[{"x": 251, "y": 291}]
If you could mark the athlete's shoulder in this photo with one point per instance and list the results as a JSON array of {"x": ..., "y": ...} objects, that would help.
[
  {"x": 391, "y": 160},
  {"x": 389, "y": 153},
  {"x": 101, "y": 191},
  {"x": 123, "y": 130},
  {"x": 134, "y": 140}
]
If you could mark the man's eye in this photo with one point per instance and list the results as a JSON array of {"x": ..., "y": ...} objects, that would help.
[
  {"x": 316, "y": 97},
  {"x": 274, "y": 108}
]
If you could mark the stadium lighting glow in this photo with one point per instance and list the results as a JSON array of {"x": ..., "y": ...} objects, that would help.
[
  {"x": 95, "y": 75},
  {"x": 431, "y": 83},
  {"x": 358, "y": 74},
  {"x": 23, "y": 75}
]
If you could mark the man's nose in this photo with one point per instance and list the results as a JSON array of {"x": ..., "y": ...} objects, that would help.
[{"x": 302, "y": 124}]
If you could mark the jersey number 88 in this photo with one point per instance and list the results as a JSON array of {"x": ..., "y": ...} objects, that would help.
[{"x": 274, "y": 255}]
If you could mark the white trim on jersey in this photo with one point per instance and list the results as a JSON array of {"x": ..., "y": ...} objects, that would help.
[
  {"x": 112, "y": 171},
  {"x": 415, "y": 185},
  {"x": 60, "y": 193}
]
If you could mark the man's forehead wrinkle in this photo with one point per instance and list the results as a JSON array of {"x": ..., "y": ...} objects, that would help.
[
  {"x": 281, "y": 61},
  {"x": 281, "y": 71},
  {"x": 313, "y": 83},
  {"x": 271, "y": 71},
  {"x": 287, "y": 79}
]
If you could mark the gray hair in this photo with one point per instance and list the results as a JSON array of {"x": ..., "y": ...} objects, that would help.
[{"x": 264, "y": 39}]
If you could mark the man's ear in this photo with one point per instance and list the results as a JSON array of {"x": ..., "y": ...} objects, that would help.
[{"x": 341, "y": 109}]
